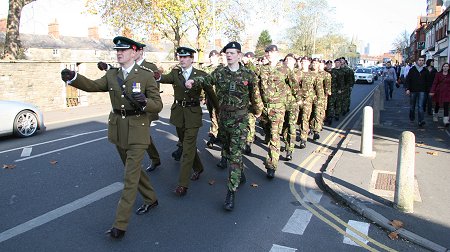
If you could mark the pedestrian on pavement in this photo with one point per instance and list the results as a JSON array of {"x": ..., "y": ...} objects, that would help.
[
  {"x": 151, "y": 150},
  {"x": 134, "y": 93},
  {"x": 389, "y": 77},
  {"x": 236, "y": 87},
  {"x": 186, "y": 116},
  {"x": 440, "y": 91},
  {"x": 417, "y": 82},
  {"x": 428, "y": 107}
]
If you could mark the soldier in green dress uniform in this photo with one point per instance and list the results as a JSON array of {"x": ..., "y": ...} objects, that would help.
[
  {"x": 186, "y": 115},
  {"x": 133, "y": 93}
]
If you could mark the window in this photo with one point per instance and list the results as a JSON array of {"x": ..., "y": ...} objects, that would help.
[{"x": 55, "y": 52}]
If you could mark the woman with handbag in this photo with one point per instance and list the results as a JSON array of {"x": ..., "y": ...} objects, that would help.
[{"x": 441, "y": 92}]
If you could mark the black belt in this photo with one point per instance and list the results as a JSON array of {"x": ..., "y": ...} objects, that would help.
[
  {"x": 184, "y": 103},
  {"x": 126, "y": 112}
]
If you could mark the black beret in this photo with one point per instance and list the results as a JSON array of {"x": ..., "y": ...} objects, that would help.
[
  {"x": 212, "y": 53},
  {"x": 249, "y": 55},
  {"x": 141, "y": 46},
  {"x": 185, "y": 51},
  {"x": 232, "y": 45},
  {"x": 125, "y": 43},
  {"x": 271, "y": 48},
  {"x": 306, "y": 58},
  {"x": 289, "y": 55}
]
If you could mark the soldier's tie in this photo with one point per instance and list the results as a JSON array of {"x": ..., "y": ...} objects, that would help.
[{"x": 125, "y": 74}]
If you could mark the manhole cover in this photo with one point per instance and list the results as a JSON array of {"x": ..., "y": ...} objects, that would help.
[{"x": 385, "y": 181}]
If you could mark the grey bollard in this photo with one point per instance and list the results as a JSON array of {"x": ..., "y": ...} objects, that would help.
[
  {"x": 404, "y": 184},
  {"x": 367, "y": 133},
  {"x": 376, "y": 106}
]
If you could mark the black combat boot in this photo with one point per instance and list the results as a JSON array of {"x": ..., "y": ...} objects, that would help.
[
  {"x": 248, "y": 148},
  {"x": 223, "y": 163},
  {"x": 270, "y": 173},
  {"x": 302, "y": 144},
  {"x": 177, "y": 154},
  {"x": 229, "y": 201},
  {"x": 316, "y": 136},
  {"x": 288, "y": 155},
  {"x": 211, "y": 142}
]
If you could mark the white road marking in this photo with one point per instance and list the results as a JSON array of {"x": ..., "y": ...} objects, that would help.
[
  {"x": 65, "y": 148},
  {"x": 298, "y": 222},
  {"x": 313, "y": 196},
  {"x": 279, "y": 248},
  {"x": 362, "y": 227},
  {"x": 56, "y": 140},
  {"x": 61, "y": 211},
  {"x": 26, "y": 152}
]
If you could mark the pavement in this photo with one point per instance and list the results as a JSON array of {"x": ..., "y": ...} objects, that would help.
[{"x": 367, "y": 184}]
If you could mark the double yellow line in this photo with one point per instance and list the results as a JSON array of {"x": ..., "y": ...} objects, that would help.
[{"x": 325, "y": 215}]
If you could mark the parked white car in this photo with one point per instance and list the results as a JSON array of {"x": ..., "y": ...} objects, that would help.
[
  {"x": 364, "y": 75},
  {"x": 20, "y": 118}
]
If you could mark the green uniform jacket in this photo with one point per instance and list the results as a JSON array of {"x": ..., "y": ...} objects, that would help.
[
  {"x": 131, "y": 130},
  {"x": 185, "y": 117},
  {"x": 154, "y": 68}
]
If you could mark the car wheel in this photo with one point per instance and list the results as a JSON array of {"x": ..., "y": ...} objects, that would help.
[{"x": 25, "y": 124}]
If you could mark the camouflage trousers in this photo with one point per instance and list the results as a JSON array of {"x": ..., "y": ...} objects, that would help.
[
  {"x": 251, "y": 130},
  {"x": 334, "y": 105},
  {"x": 346, "y": 93},
  {"x": 275, "y": 117},
  {"x": 306, "y": 114},
  {"x": 214, "y": 128},
  {"x": 289, "y": 126},
  {"x": 233, "y": 130},
  {"x": 318, "y": 114}
]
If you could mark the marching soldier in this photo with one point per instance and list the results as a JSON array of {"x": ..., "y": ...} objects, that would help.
[
  {"x": 274, "y": 90},
  {"x": 311, "y": 90},
  {"x": 347, "y": 90},
  {"x": 186, "y": 116},
  {"x": 133, "y": 93},
  {"x": 236, "y": 88},
  {"x": 151, "y": 151},
  {"x": 320, "y": 103},
  {"x": 334, "y": 104},
  {"x": 248, "y": 60},
  {"x": 214, "y": 128},
  {"x": 292, "y": 107}
]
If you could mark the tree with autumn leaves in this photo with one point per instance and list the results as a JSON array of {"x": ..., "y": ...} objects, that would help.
[{"x": 12, "y": 48}]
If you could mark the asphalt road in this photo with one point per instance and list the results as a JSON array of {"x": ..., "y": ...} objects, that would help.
[{"x": 63, "y": 192}]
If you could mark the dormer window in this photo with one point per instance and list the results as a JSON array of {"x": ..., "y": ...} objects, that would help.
[{"x": 55, "y": 52}]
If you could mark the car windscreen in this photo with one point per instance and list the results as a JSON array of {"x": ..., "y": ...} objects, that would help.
[{"x": 363, "y": 70}]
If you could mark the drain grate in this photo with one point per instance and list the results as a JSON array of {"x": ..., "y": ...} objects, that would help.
[{"x": 385, "y": 181}]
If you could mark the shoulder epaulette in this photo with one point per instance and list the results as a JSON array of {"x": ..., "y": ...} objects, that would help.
[{"x": 146, "y": 68}]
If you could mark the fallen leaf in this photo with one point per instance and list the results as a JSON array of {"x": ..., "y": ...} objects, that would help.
[
  {"x": 393, "y": 235},
  {"x": 53, "y": 162},
  {"x": 254, "y": 185},
  {"x": 417, "y": 152},
  {"x": 9, "y": 166},
  {"x": 420, "y": 145},
  {"x": 432, "y": 153},
  {"x": 212, "y": 182},
  {"x": 420, "y": 142},
  {"x": 396, "y": 223},
  {"x": 341, "y": 136}
]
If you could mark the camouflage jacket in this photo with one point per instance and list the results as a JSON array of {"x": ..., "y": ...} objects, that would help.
[
  {"x": 326, "y": 80},
  {"x": 349, "y": 76},
  {"x": 274, "y": 83},
  {"x": 337, "y": 79},
  {"x": 235, "y": 90},
  {"x": 295, "y": 94},
  {"x": 310, "y": 84}
]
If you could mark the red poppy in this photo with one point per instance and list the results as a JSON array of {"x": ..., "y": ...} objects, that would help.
[{"x": 245, "y": 83}]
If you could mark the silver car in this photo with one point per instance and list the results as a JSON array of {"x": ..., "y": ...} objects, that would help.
[{"x": 20, "y": 118}]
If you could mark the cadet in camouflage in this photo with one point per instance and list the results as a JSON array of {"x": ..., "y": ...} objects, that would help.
[
  {"x": 236, "y": 88},
  {"x": 248, "y": 61},
  {"x": 335, "y": 100},
  {"x": 274, "y": 89},
  {"x": 320, "y": 104},
  {"x": 347, "y": 90}
]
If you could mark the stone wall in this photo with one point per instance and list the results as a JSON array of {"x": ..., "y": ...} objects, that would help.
[{"x": 40, "y": 83}]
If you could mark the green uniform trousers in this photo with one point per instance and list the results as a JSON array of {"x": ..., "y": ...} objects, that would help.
[
  {"x": 251, "y": 128},
  {"x": 189, "y": 158},
  {"x": 153, "y": 152},
  {"x": 135, "y": 179}
]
